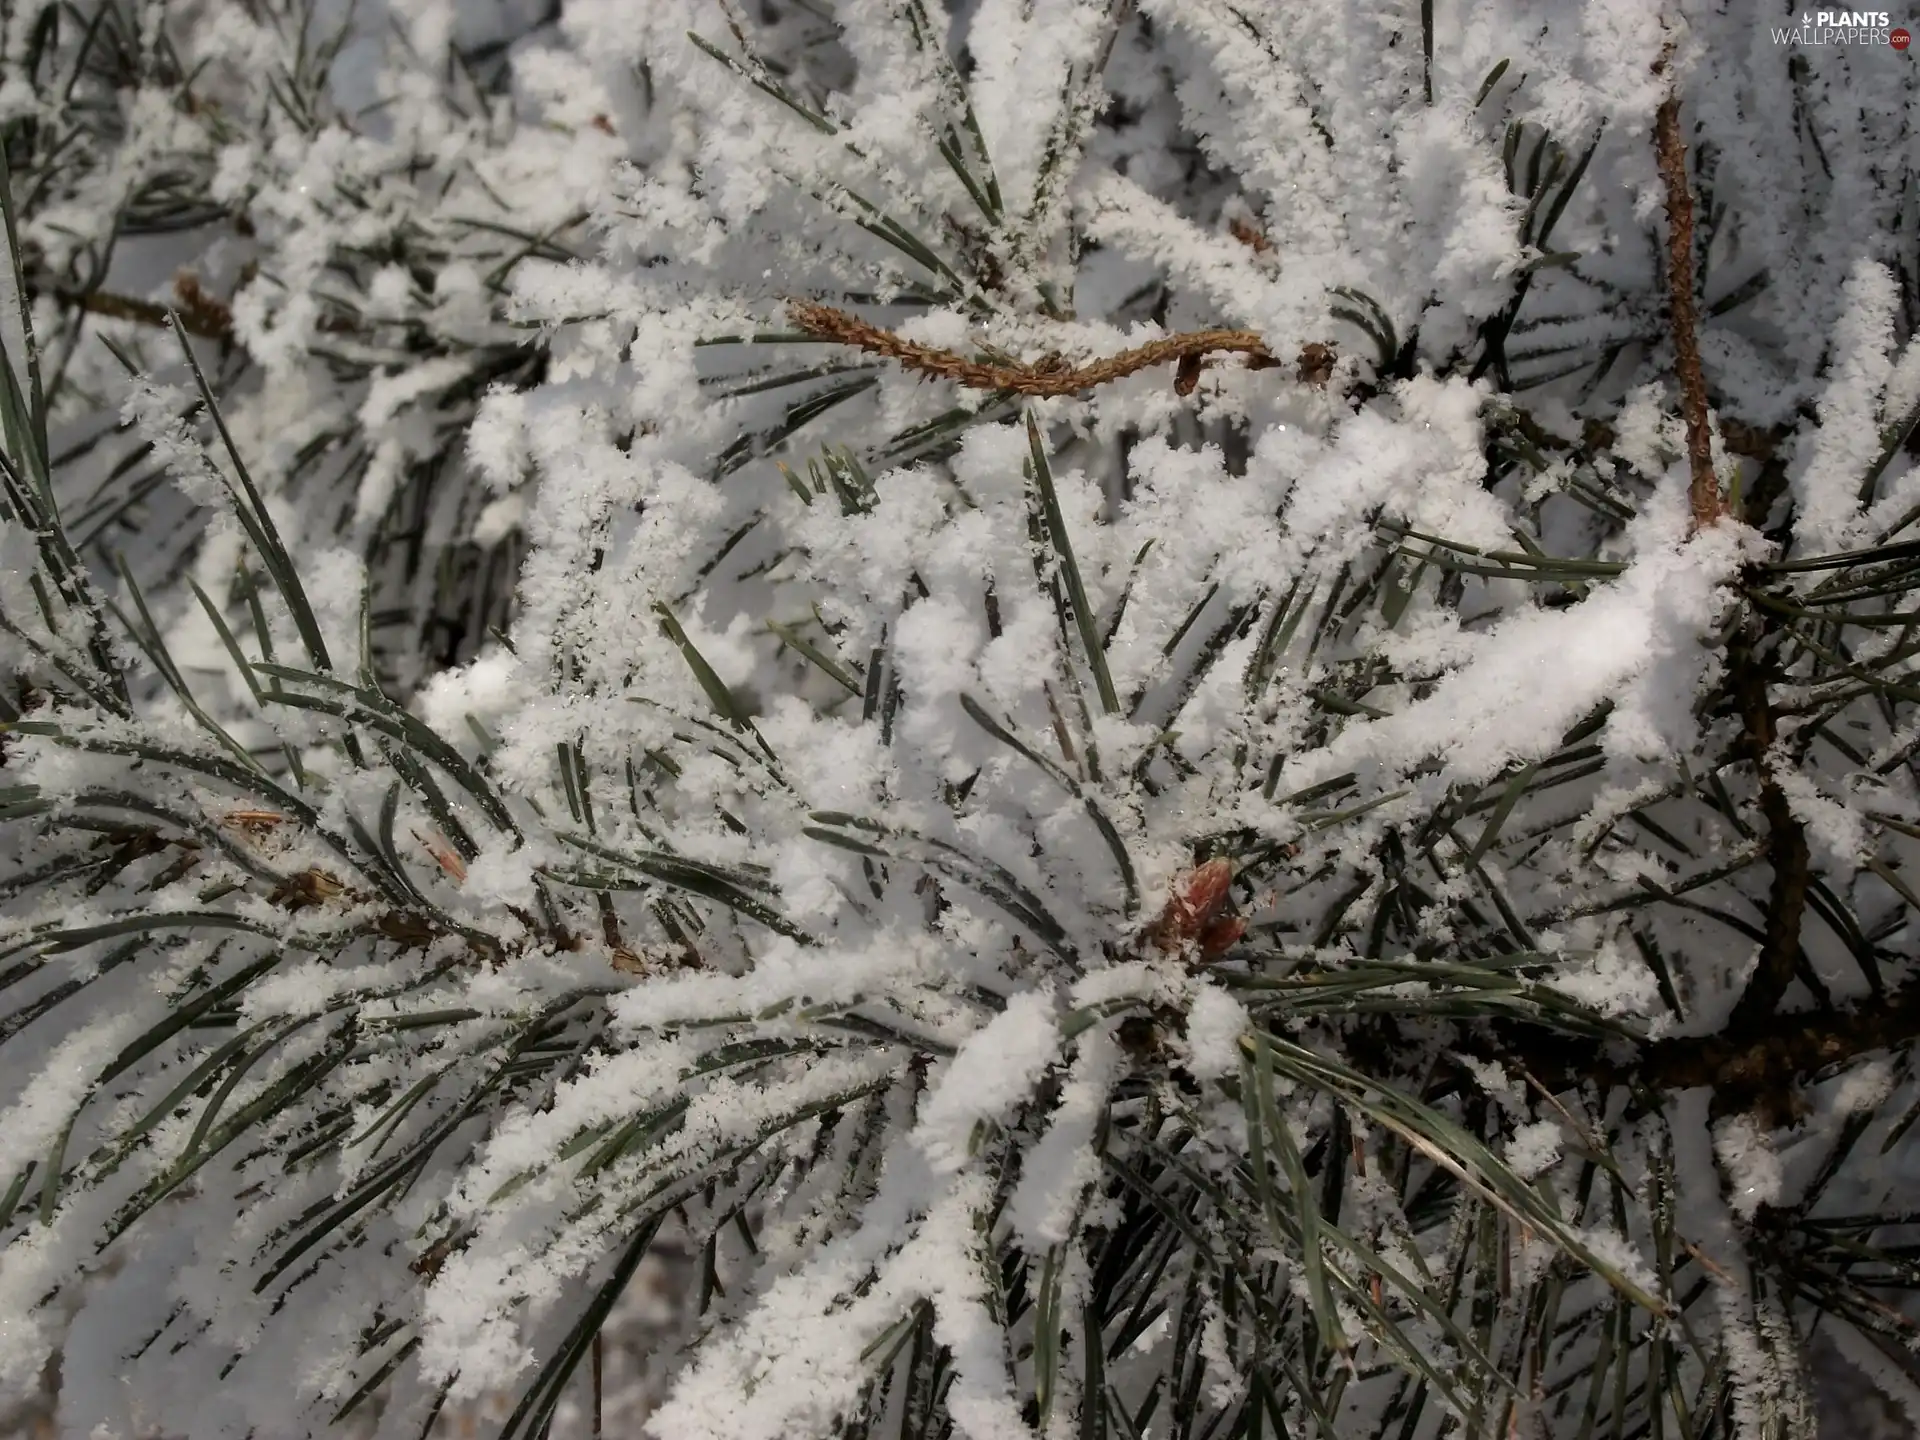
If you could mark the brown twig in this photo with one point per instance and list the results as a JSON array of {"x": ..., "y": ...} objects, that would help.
[
  {"x": 201, "y": 312},
  {"x": 1752, "y": 1066},
  {"x": 1787, "y": 851},
  {"x": 207, "y": 324},
  {"x": 1046, "y": 377},
  {"x": 1683, "y": 313},
  {"x": 1757, "y": 1066},
  {"x": 1748, "y": 681}
]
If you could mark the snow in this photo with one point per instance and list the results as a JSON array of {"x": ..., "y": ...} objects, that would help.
[
  {"x": 994, "y": 1071},
  {"x": 1753, "y": 1170},
  {"x": 1215, "y": 1023},
  {"x": 1862, "y": 1090},
  {"x": 1827, "y": 485},
  {"x": 1620, "y": 644},
  {"x": 1534, "y": 1148},
  {"x": 1611, "y": 981},
  {"x": 65, "y": 1077},
  {"x": 1064, "y": 1163},
  {"x": 1837, "y": 831}
]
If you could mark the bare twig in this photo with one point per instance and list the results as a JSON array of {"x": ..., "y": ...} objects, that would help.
[
  {"x": 207, "y": 324},
  {"x": 1787, "y": 851},
  {"x": 1748, "y": 682},
  {"x": 1683, "y": 313},
  {"x": 1051, "y": 376},
  {"x": 1756, "y": 1065},
  {"x": 201, "y": 312}
]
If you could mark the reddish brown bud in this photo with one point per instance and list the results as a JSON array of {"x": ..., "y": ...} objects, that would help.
[
  {"x": 1197, "y": 898},
  {"x": 1221, "y": 936},
  {"x": 1204, "y": 890},
  {"x": 1316, "y": 365},
  {"x": 1248, "y": 236}
]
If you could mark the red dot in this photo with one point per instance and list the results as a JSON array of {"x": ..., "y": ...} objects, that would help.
[{"x": 1900, "y": 39}]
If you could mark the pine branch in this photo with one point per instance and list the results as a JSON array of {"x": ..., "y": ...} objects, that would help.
[
  {"x": 1683, "y": 312},
  {"x": 1757, "y": 1065},
  {"x": 1053, "y": 376},
  {"x": 1754, "y": 1066},
  {"x": 1787, "y": 851},
  {"x": 201, "y": 312}
]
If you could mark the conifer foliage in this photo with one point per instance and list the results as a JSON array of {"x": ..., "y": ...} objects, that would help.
[{"x": 1177, "y": 718}]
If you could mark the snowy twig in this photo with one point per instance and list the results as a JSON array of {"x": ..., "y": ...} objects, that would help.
[
  {"x": 1053, "y": 376},
  {"x": 1684, "y": 316}
]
